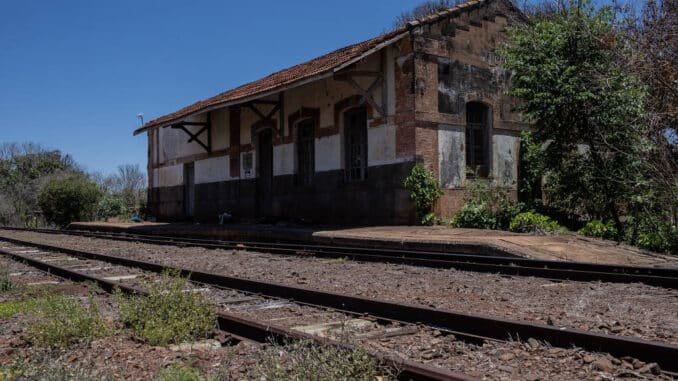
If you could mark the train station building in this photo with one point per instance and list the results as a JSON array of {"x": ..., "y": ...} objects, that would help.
[{"x": 332, "y": 139}]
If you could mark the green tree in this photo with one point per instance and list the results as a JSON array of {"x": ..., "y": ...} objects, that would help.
[
  {"x": 24, "y": 169},
  {"x": 70, "y": 199},
  {"x": 588, "y": 110}
]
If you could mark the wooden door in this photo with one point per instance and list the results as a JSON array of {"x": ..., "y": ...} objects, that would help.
[
  {"x": 265, "y": 173},
  {"x": 189, "y": 190},
  {"x": 355, "y": 129}
]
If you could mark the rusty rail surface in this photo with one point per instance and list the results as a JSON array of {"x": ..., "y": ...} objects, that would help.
[
  {"x": 469, "y": 326},
  {"x": 654, "y": 276},
  {"x": 254, "y": 330}
]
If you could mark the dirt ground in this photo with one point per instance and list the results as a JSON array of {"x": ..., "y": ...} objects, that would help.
[
  {"x": 633, "y": 310},
  {"x": 123, "y": 356},
  {"x": 563, "y": 247}
]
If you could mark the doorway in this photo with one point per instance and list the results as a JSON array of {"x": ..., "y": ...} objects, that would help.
[
  {"x": 189, "y": 190},
  {"x": 265, "y": 172}
]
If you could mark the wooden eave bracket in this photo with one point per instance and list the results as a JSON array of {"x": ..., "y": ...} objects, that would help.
[
  {"x": 268, "y": 117},
  {"x": 195, "y": 136},
  {"x": 367, "y": 94}
]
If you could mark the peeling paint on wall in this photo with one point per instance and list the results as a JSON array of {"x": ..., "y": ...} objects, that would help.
[{"x": 505, "y": 164}]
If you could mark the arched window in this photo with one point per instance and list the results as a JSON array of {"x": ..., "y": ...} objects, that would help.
[
  {"x": 305, "y": 151},
  {"x": 477, "y": 139},
  {"x": 355, "y": 130}
]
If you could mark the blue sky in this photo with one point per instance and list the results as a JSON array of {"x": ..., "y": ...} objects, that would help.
[{"x": 75, "y": 73}]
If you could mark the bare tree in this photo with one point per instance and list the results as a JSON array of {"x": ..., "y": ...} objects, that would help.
[
  {"x": 424, "y": 9},
  {"x": 130, "y": 183},
  {"x": 652, "y": 37}
]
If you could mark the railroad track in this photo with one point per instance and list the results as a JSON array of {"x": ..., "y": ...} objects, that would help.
[
  {"x": 654, "y": 276},
  {"x": 468, "y": 327},
  {"x": 240, "y": 313}
]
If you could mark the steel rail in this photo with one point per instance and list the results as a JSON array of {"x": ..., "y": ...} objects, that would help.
[
  {"x": 463, "y": 323},
  {"x": 661, "y": 277},
  {"x": 254, "y": 330}
]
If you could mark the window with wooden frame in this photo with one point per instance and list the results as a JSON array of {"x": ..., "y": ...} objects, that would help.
[
  {"x": 477, "y": 139},
  {"x": 355, "y": 129},
  {"x": 305, "y": 151}
]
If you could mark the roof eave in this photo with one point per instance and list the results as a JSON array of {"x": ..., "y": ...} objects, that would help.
[{"x": 325, "y": 74}]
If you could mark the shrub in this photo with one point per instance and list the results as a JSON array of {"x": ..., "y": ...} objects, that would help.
[
  {"x": 650, "y": 232},
  {"x": 307, "y": 361},
  {"x": 487, "y": 207},
  {"x": 474, "y": 215},
  {"x": 661, "y": 240},
  {"x": 168, "y": 314},
  {"x": 424, "y": 190},
  {"x": 66, "y": 200},
  {"x": 62, "y": 321},
  {"x": 111, "y": 206},
  {"x": 531, "y": 222},
  {"x": 598, "y": 229}
]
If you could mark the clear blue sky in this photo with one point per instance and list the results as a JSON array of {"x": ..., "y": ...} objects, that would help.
[{"x": 75, "y": 73}]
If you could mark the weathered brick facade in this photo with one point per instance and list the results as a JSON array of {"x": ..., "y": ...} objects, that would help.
[{"x": 415, "y": 85}]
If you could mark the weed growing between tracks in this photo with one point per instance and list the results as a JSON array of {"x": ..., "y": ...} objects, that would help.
[
  {"x": 61, "y": 322},
  {"x": 5, "y": 282},
  {"x": 169, "y": 314},
  {"x": 305, "y": 360}
]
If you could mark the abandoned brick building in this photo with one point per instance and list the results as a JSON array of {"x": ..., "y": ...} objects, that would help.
[{"x": 331, "y": 140}]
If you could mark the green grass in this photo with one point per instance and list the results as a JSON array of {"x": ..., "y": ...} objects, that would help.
[
  {"x": 177, "y": 373},
  {"x": 44, "y": 366},
  {"x": 308, "y": 361},
  {"x": 168, "y": 314},
  {"x": 11, "y": 308},
  {"x": 61, "y": 322}
]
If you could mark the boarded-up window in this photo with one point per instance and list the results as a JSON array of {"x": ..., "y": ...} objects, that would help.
[
  {"x": 355, "y": 128},
  {"x": 306, "y": 151},
  {"x": 477, "y": 139}
]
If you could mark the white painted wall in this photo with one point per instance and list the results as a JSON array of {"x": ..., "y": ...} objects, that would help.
[
  {"x": 451, "y": 156},
  {"x": 328, "y": 153},
  {"x": 505, "y": 159},
  {"x": 283, "y": 159},
  {"x": 169, "y": 176},
  {"x": 212, "y": 170}
]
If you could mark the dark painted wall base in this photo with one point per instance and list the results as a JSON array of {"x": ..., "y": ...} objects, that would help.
[{"x": 380, "y": 199}]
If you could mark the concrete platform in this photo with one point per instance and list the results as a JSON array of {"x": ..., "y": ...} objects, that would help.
[{"x": 566, "y": 247}]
